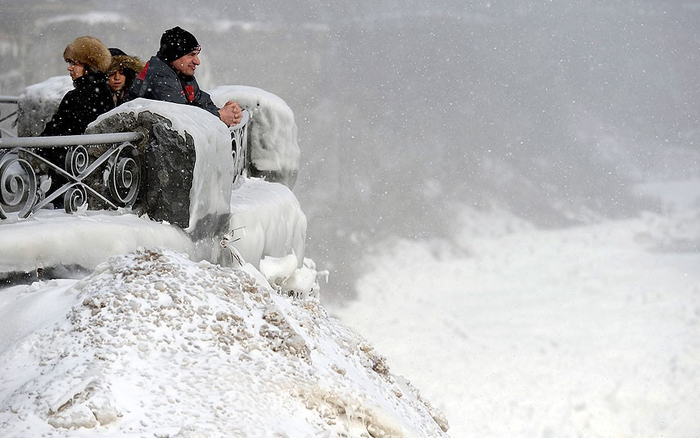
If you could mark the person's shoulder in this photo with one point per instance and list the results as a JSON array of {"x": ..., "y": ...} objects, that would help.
[
  {"x": 88, "y": 84},
  {"x": 71, "y": 96},
  {"x": 159, "y": 69},
  {"x": 157, "y": 64}
]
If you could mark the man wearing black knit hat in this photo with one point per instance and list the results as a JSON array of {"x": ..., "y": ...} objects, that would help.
[{"x": 169, "y": 76}]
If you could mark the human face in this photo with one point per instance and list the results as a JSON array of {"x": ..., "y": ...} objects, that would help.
[
  {"x": 187, "y": 64},
  {"x": 75, "y": 69},
  {"x": 117, "y": 80}
]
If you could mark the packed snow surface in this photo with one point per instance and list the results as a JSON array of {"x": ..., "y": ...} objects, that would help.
[
  {"x": 153, "y": 344},
  {"x": 50, "y": 238}
]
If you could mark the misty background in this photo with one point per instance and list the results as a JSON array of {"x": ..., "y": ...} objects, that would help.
[{"x": 410, "y": 111}]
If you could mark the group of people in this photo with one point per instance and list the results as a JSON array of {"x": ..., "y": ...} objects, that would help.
[{"x": 105, "y": 78}]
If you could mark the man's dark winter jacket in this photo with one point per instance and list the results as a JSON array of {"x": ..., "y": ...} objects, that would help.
[
  {"x": 80, "y": 106},
  {"x": 159, "y": 81}
]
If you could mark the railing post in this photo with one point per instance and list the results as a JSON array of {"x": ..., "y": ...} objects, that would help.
[{"x": 239, "y": 146}]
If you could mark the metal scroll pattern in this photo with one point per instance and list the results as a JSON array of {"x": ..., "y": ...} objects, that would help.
[
  {"x": 18, "y": 191},
  {"x": 30, "y": 182}
]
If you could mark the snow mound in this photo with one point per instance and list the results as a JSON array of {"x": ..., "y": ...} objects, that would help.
[
  {"x": 272, "y": 132},
  {"x": 154, "y": 344},
  {"x": 266, "y": 220},
  {"x": 39, "y": 102}
]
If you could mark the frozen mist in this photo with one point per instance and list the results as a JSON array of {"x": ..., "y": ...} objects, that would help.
[{"x": 523, "y": 332}]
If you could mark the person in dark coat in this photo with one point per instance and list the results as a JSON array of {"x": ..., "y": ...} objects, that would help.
[
  {"x": 121, "y": 73},
  {"x": 88, "y": 60},
  {"x": 169, "y": 76}
]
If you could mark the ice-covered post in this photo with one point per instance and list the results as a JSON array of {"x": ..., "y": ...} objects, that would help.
[
  {"x": 187, "y": 162},
  {"x": 273, "y": 149}
]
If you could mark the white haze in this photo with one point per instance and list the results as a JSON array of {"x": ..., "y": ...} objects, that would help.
[{"x": 513, "y": 331}]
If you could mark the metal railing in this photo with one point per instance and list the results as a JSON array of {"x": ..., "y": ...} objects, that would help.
[{"x": 103, "y": 167}]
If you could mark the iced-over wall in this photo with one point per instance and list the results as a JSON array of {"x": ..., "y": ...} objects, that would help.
[
  {"x": 187, "y": 152},
  {"x": 272, "y": 132},
  {"x": 261, "y": 218}
]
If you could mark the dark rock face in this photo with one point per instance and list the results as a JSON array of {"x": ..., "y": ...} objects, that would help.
[
  {"x": 169, "y": 168},
  {"x": 167, "y": 164}
]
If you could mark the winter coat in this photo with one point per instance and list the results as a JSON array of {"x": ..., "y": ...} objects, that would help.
[
  {"x": 159, "y": 81},
  {"x": 81, "y": 106},
  {"x": 130, "y": 66}
]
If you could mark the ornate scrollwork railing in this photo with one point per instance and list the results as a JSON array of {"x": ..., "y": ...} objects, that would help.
[
  {"x": 239, "y": 146},
  {"x": 104, "y": 168}
]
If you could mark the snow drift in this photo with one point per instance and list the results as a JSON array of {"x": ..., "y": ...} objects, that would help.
[{"x": 153, "y": 343}]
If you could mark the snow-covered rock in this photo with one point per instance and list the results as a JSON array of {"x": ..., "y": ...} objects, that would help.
[
  {"x": 266, "y": 220},
  {"x": 39, "y": 102},
  {"x": 210, "y": 183},
  {"x": 153, "y": 344},
  {"x": 272, "y": 133}
]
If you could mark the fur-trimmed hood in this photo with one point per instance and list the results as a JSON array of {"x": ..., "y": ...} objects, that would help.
[
  {"x": 89, "y": 51},
  {"x": 125, "y": 62}
]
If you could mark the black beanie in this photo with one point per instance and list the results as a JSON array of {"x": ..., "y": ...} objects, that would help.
[
  {"x": 116, "y": 52},
  {"x": 176, "y": 42}
]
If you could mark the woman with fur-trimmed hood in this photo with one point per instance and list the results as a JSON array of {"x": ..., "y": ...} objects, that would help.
[
  {"x": 88, "y": 60},
  {"x": 121, "y": 73}
]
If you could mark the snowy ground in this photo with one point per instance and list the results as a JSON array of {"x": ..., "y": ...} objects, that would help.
[
  {"x": 155, "y": 345},
  {"x": 517, "y": 332}
]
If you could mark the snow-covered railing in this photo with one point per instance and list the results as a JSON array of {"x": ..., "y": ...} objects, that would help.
[
  {"x": 105, "y": 167},
  {"x": 12, "y": 102},
  {"x": 239, "y": 146}
]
